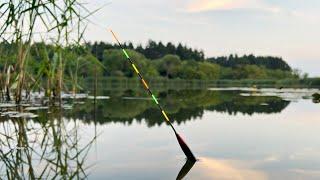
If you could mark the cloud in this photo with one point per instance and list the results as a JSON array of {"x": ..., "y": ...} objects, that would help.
[
  {"x": 216, "y": 5},
  {"x": 206, "y": 5},
  {"x": 211, "y": 168}
]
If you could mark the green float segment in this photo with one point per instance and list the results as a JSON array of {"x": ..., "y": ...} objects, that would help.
[
  {"x": 125, "y": 53},
  {"x": 155, "y": 99}
]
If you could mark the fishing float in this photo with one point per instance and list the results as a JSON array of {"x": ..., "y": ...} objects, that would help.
[{"x": 181, "y": 142}]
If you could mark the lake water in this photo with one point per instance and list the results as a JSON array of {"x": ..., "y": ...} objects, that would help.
[{"x": 236, "y": 133}]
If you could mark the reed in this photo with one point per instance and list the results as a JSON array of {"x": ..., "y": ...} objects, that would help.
[{"x": 60, "y": 21}]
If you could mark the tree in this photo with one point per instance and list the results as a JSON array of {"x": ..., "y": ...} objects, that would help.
[
  {"x": 254, "y": 72},
  {"x": 189, "y": 70},
  {"x": 267, "y": 62},
  {"x": 211, "y": 71},
  {"x": 296, "y": 73},
  {"x": 116, "y": 63},
  {"x": 171, "y": 49},
  {"x": 169, "y": 65}
]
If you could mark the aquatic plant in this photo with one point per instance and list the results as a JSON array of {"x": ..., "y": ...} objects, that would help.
[
  {"x": 316, "y": 97},
  {"x": 61, "y": 21},
  {"x": 48, "y": 149}
]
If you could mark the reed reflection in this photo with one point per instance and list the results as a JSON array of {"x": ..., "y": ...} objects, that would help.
[{"x": 48, "y": 147}]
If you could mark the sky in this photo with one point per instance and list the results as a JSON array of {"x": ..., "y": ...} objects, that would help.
[{"x": 283, "y": 28}]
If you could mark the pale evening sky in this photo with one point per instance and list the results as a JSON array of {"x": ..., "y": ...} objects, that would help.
[{"x": 286, "y": 28}]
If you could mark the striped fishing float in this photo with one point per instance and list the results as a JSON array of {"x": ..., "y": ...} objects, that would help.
[{"x": 182, "y": 144}]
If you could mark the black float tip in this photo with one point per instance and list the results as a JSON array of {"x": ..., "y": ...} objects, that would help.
[{"x": 185, "y": 149}]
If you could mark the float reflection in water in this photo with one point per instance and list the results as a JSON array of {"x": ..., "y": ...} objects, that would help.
[{"x": 185, "y": 169}]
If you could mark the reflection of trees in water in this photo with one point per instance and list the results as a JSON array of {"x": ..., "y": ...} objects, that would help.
[
  {"x": 153, "y": 116},
  {"x": 49, "y": 148},
  {"x": 181, "y": 106},
  {"x": 234, "y": 108},
  {"x": 234, "y": 103}
]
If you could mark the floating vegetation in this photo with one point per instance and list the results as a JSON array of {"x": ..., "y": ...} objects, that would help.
[
  {"x": 16, "y": 114},
  {"x": 35, "y": 108},
  {"x": 23, "y": 115},
  {"x": 38, "y": 102},
  {"x": 99, "y": 97},
  {"x": 79, "y": 102},
  {"x": 137, "y": 98},
  {"x": 316, "y": 97},
  {"x": 285, "y": 93},
  {"x": 67, "y": 106},
  {"x": 233, "y": 89},
  {"x": 8, "y": 113},
  {"x": 245, "y": 94},
  {"x": 74, "y": 96},
  {"x": 7, "y": 105}
]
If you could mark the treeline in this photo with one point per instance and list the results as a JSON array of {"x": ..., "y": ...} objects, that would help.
[
  {"x": 172, "y": 66},
  {"x": 186, "y": 63},
  {"x": 268, "y": 62},
  {"x": 103, "y": 59},
  {"x": 153, "y": 50}
]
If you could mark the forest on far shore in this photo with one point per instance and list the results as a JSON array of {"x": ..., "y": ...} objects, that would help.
[
  {"x": 180, "y": 61},
  {"x": 154, "y": 60}
]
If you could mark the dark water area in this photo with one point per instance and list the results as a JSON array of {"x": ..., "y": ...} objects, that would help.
[{"x": 236, "y": 133}]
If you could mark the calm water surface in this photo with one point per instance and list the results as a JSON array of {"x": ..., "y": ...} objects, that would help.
[{"x": 235, "y": 134}]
